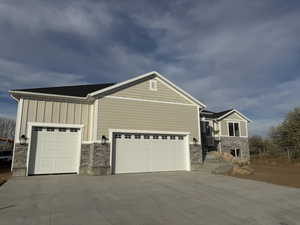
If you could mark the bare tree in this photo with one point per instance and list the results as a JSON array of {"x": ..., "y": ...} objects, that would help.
[{"x": 7, "y": 128}]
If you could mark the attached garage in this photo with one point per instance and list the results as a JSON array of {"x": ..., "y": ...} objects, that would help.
[
  {"x": 54, "y": 150},
  {"x": 146, "y": 152}
]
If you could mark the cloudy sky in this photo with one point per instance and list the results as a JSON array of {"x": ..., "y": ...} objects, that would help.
[{"x": 241, "y": 54}]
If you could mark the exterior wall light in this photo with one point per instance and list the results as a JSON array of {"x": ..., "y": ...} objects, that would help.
[
  {"x": 23, "y": 139},
  {"x": 104, "y": 139},
  {"x": 195, "y": 141}
]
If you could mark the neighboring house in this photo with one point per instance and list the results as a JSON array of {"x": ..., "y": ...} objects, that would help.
[
  {"x": 6, "y": 147},
  {"x": 144, "y": 124},
  {"x": 225, "y": 131}
]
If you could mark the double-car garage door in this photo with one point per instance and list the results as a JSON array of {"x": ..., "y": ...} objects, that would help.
[
  {"x": 54, "y": 150},
  {"x": 137, "y": 152}
]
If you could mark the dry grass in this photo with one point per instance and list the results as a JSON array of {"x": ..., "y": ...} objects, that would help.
[{"x": 275, "y": 170}]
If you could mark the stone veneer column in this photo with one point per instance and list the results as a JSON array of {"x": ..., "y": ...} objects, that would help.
[
  {"x": 95, "y": 159},
  {"x": 196, "y": 156},
  {"x": 20, "y": 157}
]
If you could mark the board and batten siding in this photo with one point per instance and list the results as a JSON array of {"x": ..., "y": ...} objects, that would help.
[
  {"x": 142, "y": 91},
  {"x": 55, "y": 112},
  {"x": 234, "y": 117},
  {"x": 140, "y": 115}
]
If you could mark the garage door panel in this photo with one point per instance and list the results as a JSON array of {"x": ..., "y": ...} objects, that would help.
[
  {"x": 149, "y": 153},
  {"x": 54, "y": 150}
]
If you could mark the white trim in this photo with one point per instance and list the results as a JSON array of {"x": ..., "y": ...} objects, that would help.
[
  {"x": 145, "y": 100},
  {"x": 144, "y": 76},
  {"x": 91, "y": 122},
  {"x": 199, "y": 128},
  {"x": 29, "y": 131},
  {"x": 236, "y": 111},
  {"x": 19, "y": 119},
  {"x": 95, "y": 119},
  {"x": 186, "y": 138},
  {"x": 151, "y": 82},
  {"x": 17, "y": 128},
  {"x": 239, "y": 122},
  {"x": 43, "y": 94}
]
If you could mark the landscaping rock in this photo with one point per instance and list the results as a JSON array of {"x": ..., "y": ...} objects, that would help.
[
  {"x": 223, "y": 169},
  {"x": 246, "y": 170}
]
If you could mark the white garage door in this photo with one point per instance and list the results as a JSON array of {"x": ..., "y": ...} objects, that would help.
[
  {"x": 54, "y": 150},
  {"x": 135, "y": 153}
]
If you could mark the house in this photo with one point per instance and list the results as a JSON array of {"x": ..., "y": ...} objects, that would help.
[
  {"x": 225, "y": 131},
  {"x": 144, "y": 124},
  {"x": 6, "y": 147}
]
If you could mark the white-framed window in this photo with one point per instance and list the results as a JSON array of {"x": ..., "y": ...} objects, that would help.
[
  {"x": 153, "y": 85},
  {"x": 146, "y": 136},
  {"x": 127, "y": 136},
  {"x": 233, "y": 129},
  {"x": 164, "y": 137},
  {"x": 155, "y": 137},
  {"x": 137, "y": 136},
  {"x": 118, "y": 136},
  {"x": 172, "y": 137},
  {"x": 180, "y": 137},
  {"x": 235, "y": 152}
]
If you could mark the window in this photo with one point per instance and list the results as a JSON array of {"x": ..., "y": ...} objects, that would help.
[
  {"x": 180, "y": 137},
  {"x": 146, "y": 136},
  {"x": 62, "y": 129},
  {"x": 50, "y": 129},
  {"x": 153, "y": 85},
  {"x": 118, "y": 136},
  {"x": 234, "y": 129},
  {"x": 37, "y": 128},
  {"x": 235, "y": 153},
  {"x": 164, "y": 137},
  {"x": 137, "y": 136},
  {"x": 73, "y": 130},
  {"x": 172, "y": 137},
  {"x": 127, "y": 136},
  {"x": 155, "y": 136}
]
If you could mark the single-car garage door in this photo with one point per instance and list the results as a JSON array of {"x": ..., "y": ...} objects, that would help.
[
  {"x": 134, "y": 153},
  {"x": 54, "y": 150}
]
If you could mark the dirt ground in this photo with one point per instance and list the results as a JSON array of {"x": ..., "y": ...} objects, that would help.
[{"x": 275, "y": 171}]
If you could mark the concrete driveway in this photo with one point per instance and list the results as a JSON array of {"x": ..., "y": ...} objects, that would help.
[{"x": 142, "y": 199}]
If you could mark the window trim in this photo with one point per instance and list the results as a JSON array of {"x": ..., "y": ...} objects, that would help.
[
  {"x": 235, "y": 151},
  {"x": 239, "y": 126}
]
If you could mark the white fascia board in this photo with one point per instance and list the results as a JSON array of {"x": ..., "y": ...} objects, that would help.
[
  {"x": 43, "y": 94},
  {"x": 236, "y": 111},
  {"x": 144, "y": 76}
]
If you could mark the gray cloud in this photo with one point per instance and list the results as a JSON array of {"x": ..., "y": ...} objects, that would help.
[{"x": 241, "y": 54}]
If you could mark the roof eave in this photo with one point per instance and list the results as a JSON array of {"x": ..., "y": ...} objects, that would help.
[
  {"x": 17, "y": 94},
  {"x": 234, "y": 110},
  {"x": 144, "y": 76}
]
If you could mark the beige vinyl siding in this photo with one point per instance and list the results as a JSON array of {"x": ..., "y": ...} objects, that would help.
[
  {"x": 233, "y": 116},
  {"x": 224, "y": 127},
  {"x": 139, "y": 115},
  {"x": 142, "y": 91},
  {"x": 55, "y": 112},
  {"x": 243, "y": 128}
]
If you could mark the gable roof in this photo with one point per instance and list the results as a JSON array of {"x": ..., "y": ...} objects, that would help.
[
  {"x": 222, "y": 114},
  {"x": 151, "y": 74},
  {"x": 87, "y": 91},
  {"x": 74, "y": 90}
]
